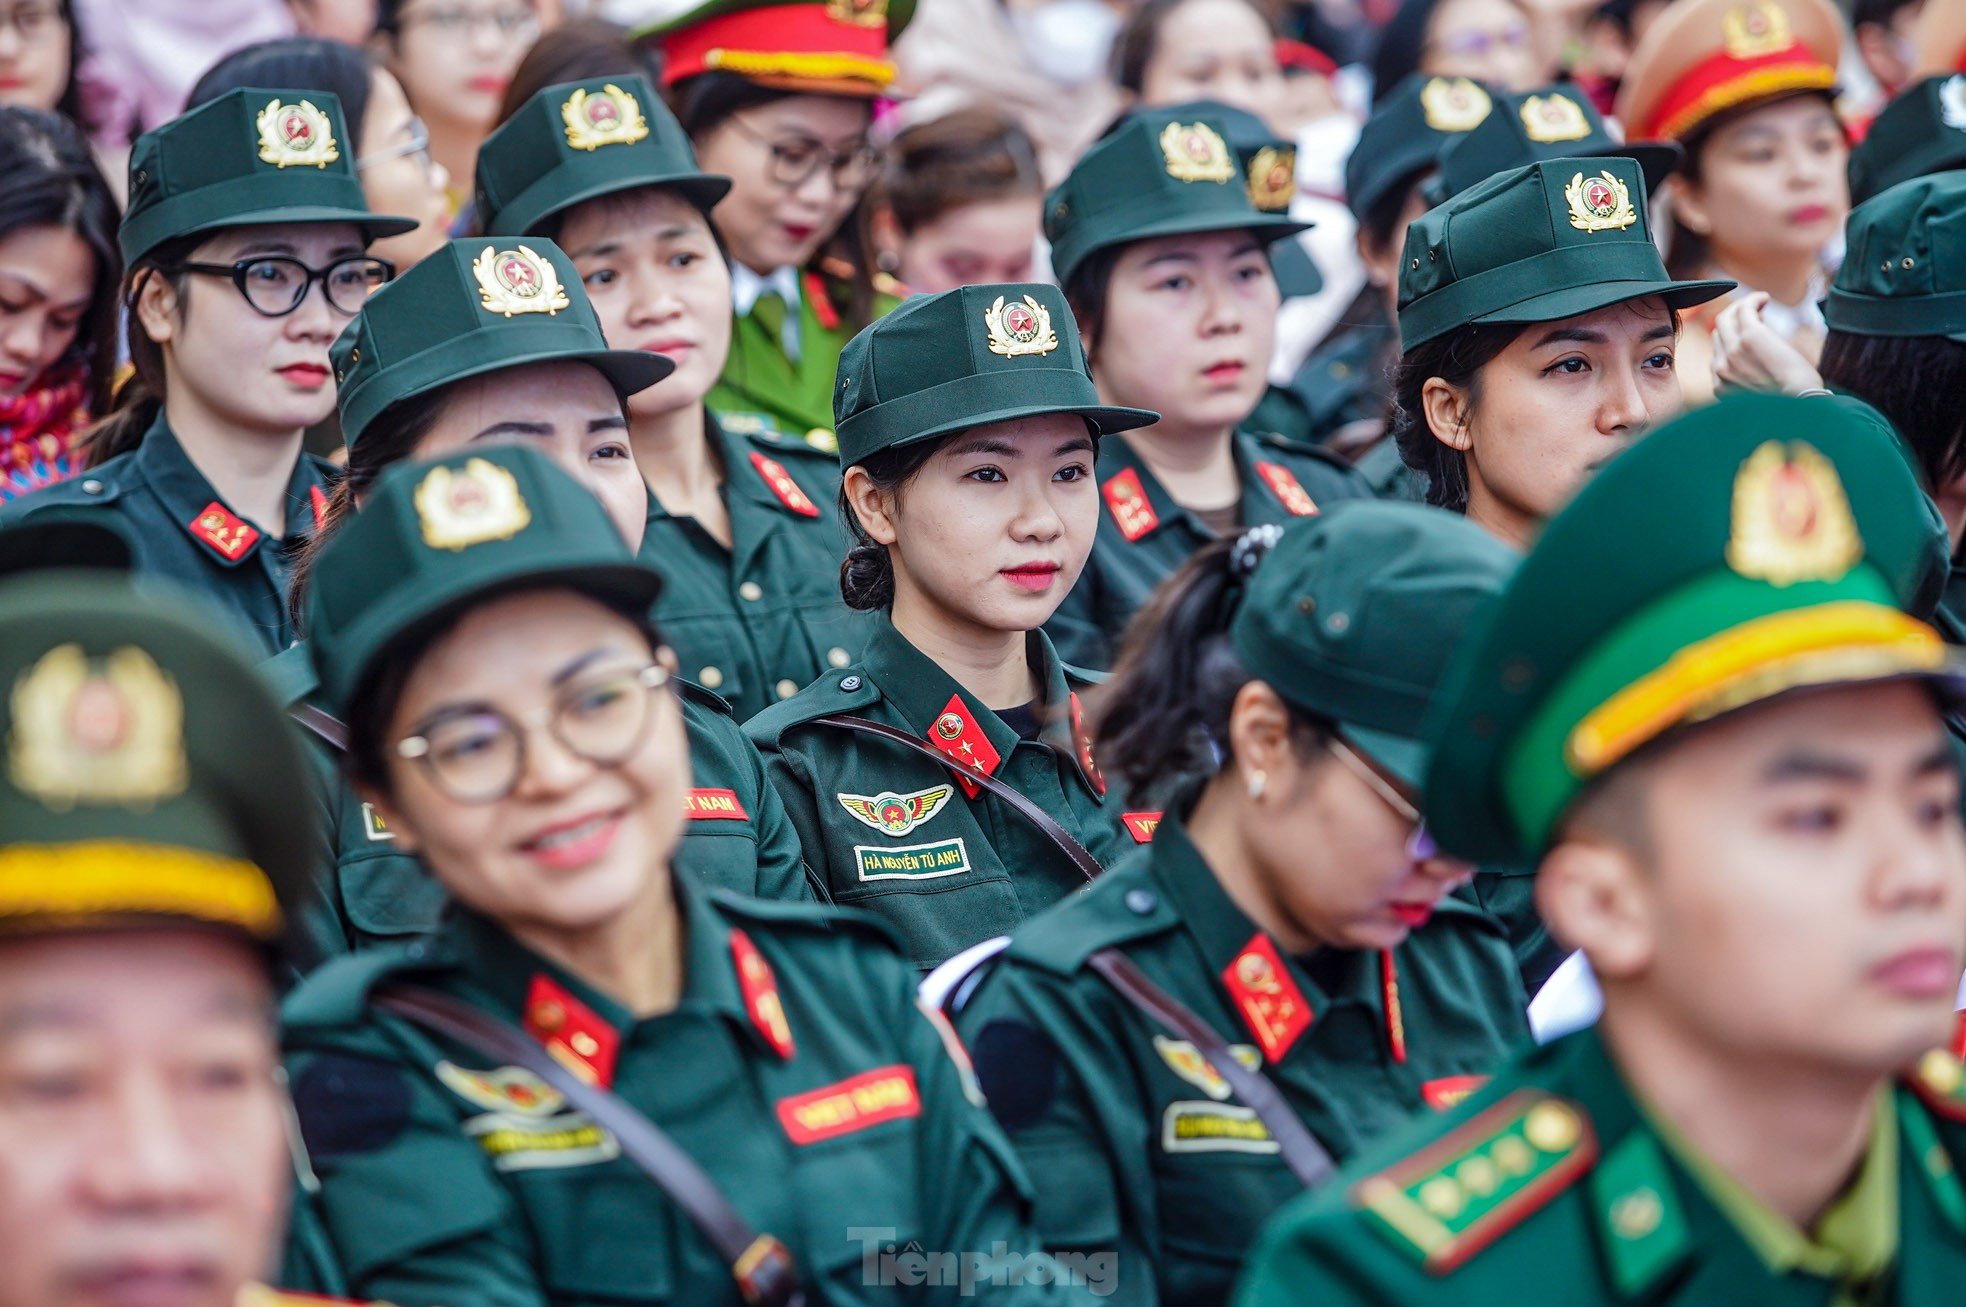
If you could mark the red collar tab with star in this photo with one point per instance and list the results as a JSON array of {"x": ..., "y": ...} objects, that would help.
[
  {"x": 318, "y": 501},
  {"x": 1127, "y": 500},
  {"x": 1285, "y": 486},
  {"x": 956, "y": 733},
  {"x": 1271, "y": 1005},
  {"x": 1084, "y": 743},
  {"x": 783, "y": 485},
  {"x": 760, "y": 989},
  {"x": 571, "y": 1031},
  {"x": 226, "y": 535}
]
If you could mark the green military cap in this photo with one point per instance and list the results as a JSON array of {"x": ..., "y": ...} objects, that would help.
[
  {"x": 1158, "y": 172},
  {"x": 1551, "y": 122},
  {"x": 1407, "y": 133},
  {"x": 580, "y": 140},
  {"x": 1552, "y": 240},
  {"x": 149, "y": 775},
  {"x": 1795, "y": 541},
  {"x": 1352, "y": 616},
  {"x": 1269, "y": 169},
  {"x": 64, "y": 537},
  {"x": 433, "y": 538},
  {"x": 251, "y": 156},
  {"x": 962, "y": 358},
  {"x": 1922, "y": 131},
  {"x": 474, "y": 306},
  {"x": 1902, "y": 273}
]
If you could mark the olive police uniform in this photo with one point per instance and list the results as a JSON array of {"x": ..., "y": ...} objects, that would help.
[
  {"x": 945, "y": 862},
  {"x": 795, "y": 1069},
  {"x": 250, "y": 157},
  {"x": 1166, "y": 173},
  {"x": 1798, "y": 537},
  {"x": 1922, "y": 131},
  {"x": 1143, "y": 1146},
  {"x": 785, "y": 345},
  {"x": 759, "y": 619}
]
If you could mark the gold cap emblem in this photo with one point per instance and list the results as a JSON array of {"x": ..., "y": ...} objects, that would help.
[
  {"x": 858, "y": 13},
  {"x": 518, "y": 281},
  {"x": 109, "y": 733},
  {"x": 1548, "y": 119},
  {"x": 1752, "y": 30},
  {"x": 1600, "y": 203},
  {"x": 295, "y": 136},
  {"x": 609, "y": 116},
  {"x": 473, "y": 505},
  {"x": 1792, "y": 521},
  {"x": 1454, "y": 104},
  {"x": 1195, "y": 152},
  {"x": 1019, "y": 328},
  {"x": 1273, "y": 178}
]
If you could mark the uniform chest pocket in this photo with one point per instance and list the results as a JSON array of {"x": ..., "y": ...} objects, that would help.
[
  {"x": 387, "y": 896},
  {"x": 1219, "y": 1178},
  {"x": 859, "y": 1196},
  {"x": 605, "y": 1234}
]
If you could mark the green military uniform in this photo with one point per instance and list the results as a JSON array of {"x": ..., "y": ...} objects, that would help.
[
  {"x": 1922, "y": 131},
  {"x": 1797, "y": 540},
  {"x": 794, "y": 1069},
  {"x": 757, "y": 620},
  {"x": 1164, "y": 173},
  {"x": 1144, "y": 1145},
  {"x": 945, "y": 862},
  {"x": 274, "y": 157}
]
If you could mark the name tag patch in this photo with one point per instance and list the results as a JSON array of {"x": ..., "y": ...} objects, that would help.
[
  {"x": 857, "y": 1103},
  {"x": 1190, "y": 1127},
  {"x": 913, "y": 861},
  {"x": 713, "y": 805}
]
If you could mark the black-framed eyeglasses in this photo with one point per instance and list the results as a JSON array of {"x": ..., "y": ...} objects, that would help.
[
  {"x": 477, "y": 755},
  {"x": 795, "y": 160},
  {"x": 418, "y": 146},
  {"x": 275, "y": 285}
]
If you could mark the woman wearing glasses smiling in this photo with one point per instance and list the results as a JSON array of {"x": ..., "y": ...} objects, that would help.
[
  {"x": 1271, "y": 697},
  {"x": 245, "y": 254},
  {"x": 778, "y": 98}
]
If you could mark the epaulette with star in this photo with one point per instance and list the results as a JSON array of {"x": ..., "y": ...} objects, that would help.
[{"x": 1448, "y": 1201}]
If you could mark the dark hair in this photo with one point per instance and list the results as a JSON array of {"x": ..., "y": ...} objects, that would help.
[
  {"x": 867, "y": 575},
  {"x": 306, "y": 63},
  {"x": 1139, "y": 40},
  {"x": 1160, "y": 724},
  {"x": 1877, "y": 13},
  {"x": 574, "y": 51},
  {"x": 69, "y": 103},
  {"x": 1456, "y": 358},
  {"x": 1916, "y": 382},
  {"x": 704, "y": 102},
  {"x": 1087, "y": 291},
  {"x": 140, "y": 398},
  {"x": 968, "y": 156},
  {"x": 52, "y": 181}
]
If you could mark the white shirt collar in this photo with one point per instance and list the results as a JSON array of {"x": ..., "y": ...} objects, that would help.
[{"x": 746, "y": 286}]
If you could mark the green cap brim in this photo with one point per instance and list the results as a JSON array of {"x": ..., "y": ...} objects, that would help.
[
  {"x": 544, "y": 199},
  {"x": 49, "y": 541},
  {"x": 1404, "y": 757},
  {"x": 1296, "y": 274},
  {"x": 146, "y": 231},
  {"x": 979, "y": 400},
  {"x": 1910, "y": 315},
  {"x": 1267, "y": 227}
]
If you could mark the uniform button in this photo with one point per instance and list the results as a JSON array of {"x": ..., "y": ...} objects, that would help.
[
  {"x": 751, "y": 591},
  {"x": 709, "y": 678},
  {"x": 787, "y": 688},
  {"x": 92, "y": 486},
  {"x": 416, "y": 950},
  {"x": 838, "y": 657},
  {"x": 1140, "y": 901},
  {"x": 849, "y": 683}
]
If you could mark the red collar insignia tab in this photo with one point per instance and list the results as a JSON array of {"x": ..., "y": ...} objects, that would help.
[
  {"x": 760, "y": 989},
  {"x": 1127, "y": 500},
  {"x": 1285, "y": 486},
  {"x": 571, "y": 1031},
  {"x": 784, "y": 486},
  {"x": 1084, "y": 742},
  {"x": 1271, "y": 1005},
  {"x": 1395, "y": 1021},
  {"x": 318, "y": 501},
  {"x": 1141, "y": 825},
  {"x": 956, "y": 733},
  {"x": 814, "y": 287},
  {"x": 224, "y": 534}
]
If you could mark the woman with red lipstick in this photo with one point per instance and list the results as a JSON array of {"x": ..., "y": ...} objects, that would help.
[
  {"x": 968, "y": 430},
  {"x": 779, "y": 97},
  {"x": 245, "y": 247},
  {"x": 1164, "y": 259},
  {"x": 1748, "y": 88},
  {"x": 742, "y": 520},
  {"x": 512, "y": 713},
  {"x": 1270, "y": 699}
]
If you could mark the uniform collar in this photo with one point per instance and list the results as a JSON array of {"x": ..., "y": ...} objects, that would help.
[
  {"x": 191, "y": 501},
  {"x": 1120, "y": 461},
  {"x": 746, "y": 286}
]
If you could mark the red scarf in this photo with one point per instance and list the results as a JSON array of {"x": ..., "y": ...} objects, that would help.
[{"x": 36, "y": 433}]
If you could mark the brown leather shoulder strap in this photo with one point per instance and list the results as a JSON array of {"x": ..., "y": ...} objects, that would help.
[
  {"x": 1307, "y": 1159},
  {"x": 1047, "y": 825},
  {"x": 761, "y": 1264}
]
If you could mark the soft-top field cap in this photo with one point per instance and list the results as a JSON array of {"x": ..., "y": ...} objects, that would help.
[
  {"x": 434, "y": 539},
  {"x": 1904, "y": 273},
  {"x": 1551, "y": 122},
  {"x": 964, "y": 358},
  {"x": 1922, "y": 131},
  {"x": 1796, "y": 546},
  {"x": 1410, "y": 130},
  {"x": 1542, "y": 243},
  {"x": 251, "y": 156}
]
